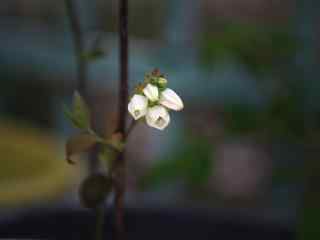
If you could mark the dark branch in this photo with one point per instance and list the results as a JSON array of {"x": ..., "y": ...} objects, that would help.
[
  {"x": 120, "y": 164},
  {"x": 123, "y": 86},
  {"x": 79, "y": 48}
]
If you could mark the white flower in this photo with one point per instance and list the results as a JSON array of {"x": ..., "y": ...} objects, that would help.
[
  {"x": 151, "y": 92},
  {"x": 138, "y": 106},
  {"x": 171, "y": 100},
  {"x": 158, "y": 117}
]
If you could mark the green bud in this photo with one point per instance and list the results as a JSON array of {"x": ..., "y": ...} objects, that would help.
[
  {"x": 154, "y": 80},
  {"x": 94, "y": 190},
  {"x": 162, "y": 82}
]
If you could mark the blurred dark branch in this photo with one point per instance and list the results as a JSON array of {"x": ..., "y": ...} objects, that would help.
[
  {"x": 79, "y": 48},
  {"x": 82, "y": 86},
  {"x": 99, "y": 222},
  {"x": 82, "y": 66},
  {"x": 133, "y": 123},
  {"x": 123, "y": 86},
  {"x": 120, "y": 163}
]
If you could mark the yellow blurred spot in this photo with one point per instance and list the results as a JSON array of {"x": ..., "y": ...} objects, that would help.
[{"x": 32, "y": 166}]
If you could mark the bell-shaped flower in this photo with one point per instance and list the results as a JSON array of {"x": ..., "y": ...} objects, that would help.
[
  {"x": 151, "y": 92},
  {"x": 158, "y": 117},
  {"x": 171, "y": 100},
  {"x": 138, "y": 106}
]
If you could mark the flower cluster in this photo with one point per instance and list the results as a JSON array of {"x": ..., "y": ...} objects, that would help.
[{"x": 153, "y": 100}]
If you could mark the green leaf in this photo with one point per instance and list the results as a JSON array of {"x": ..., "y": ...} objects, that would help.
[
  {"x": 93, "y": 55},
  {"x": 69, "y": 114},
  {"x": 80, "y": 114},
  {"x": 79, "y": 144},
  {"x": 81, "y": 111}
]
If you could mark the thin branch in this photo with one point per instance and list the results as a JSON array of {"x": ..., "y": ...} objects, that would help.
[
  {"x": 78, "y": 39},
  {"x": 120, "y": 163},
  {"x": 79, "y": 48},
  {"x": 82, "y": 85},
  {"x": 99, "y": 223},
  {"x": 123, "y": 61},
  {"x": 133, "y": 123}
]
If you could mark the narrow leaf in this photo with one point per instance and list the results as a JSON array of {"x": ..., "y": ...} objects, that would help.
[
  {"x": 69, "y": 114},
  {"x": 79, "y": 144},
  {"x": 93, "y": 55},
  {"x": 81, "y": 113}
]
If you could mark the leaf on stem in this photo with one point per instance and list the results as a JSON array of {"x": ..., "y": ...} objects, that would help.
[
  {"x": 79, "y": 144},
  {"x": 80, "y": 114},
  {"x": 81, "y": 110},
  {"x": 93, "y": 55}
]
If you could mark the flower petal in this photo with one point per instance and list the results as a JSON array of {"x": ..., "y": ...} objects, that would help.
[
  {"x": 171, "y": 100},
  {"x": 138, "y": 106},
  {"x": 158, "y": 117},
  {"x": 151, "y": 92}
]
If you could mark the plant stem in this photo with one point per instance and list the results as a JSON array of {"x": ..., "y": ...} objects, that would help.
[
  {"x": 82, "y": 86},
  {"x": 99, "y": 223},
  {"x": 130, "y": 128},
  {"x": 79, "y": 48},
  {"x": 123, "y": 61},
  {"x": 82, "y": 64},
  {"x": 120, "y": 163}
]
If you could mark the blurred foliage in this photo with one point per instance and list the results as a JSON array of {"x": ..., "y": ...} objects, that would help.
[
  {"x": 285, "y": 118},
  {"x": 308, "y": 228},
  {"x": 288, "y": 175},
  {"x": 241, "y": 119},
  {"x": 308, "y": 225},
  {"x": 191, "y": 163},
  {"x": 93, "y": 55},
  {"x": 259, "y": 48},
  {"x": 282, "y": 117},
  {"x": 30, "y": 167},
  {"x": 27, "y": 98}
]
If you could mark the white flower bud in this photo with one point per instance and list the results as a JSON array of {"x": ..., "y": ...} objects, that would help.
[
  {"x": 138, "y": 106},
  {"x": 158, "y": 117},
  {"x": 171, "y": 100},
  {"x": 151, "y": 92}
]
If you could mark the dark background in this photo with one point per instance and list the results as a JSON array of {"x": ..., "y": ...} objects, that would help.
[{"x": 243, "y": 151}]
